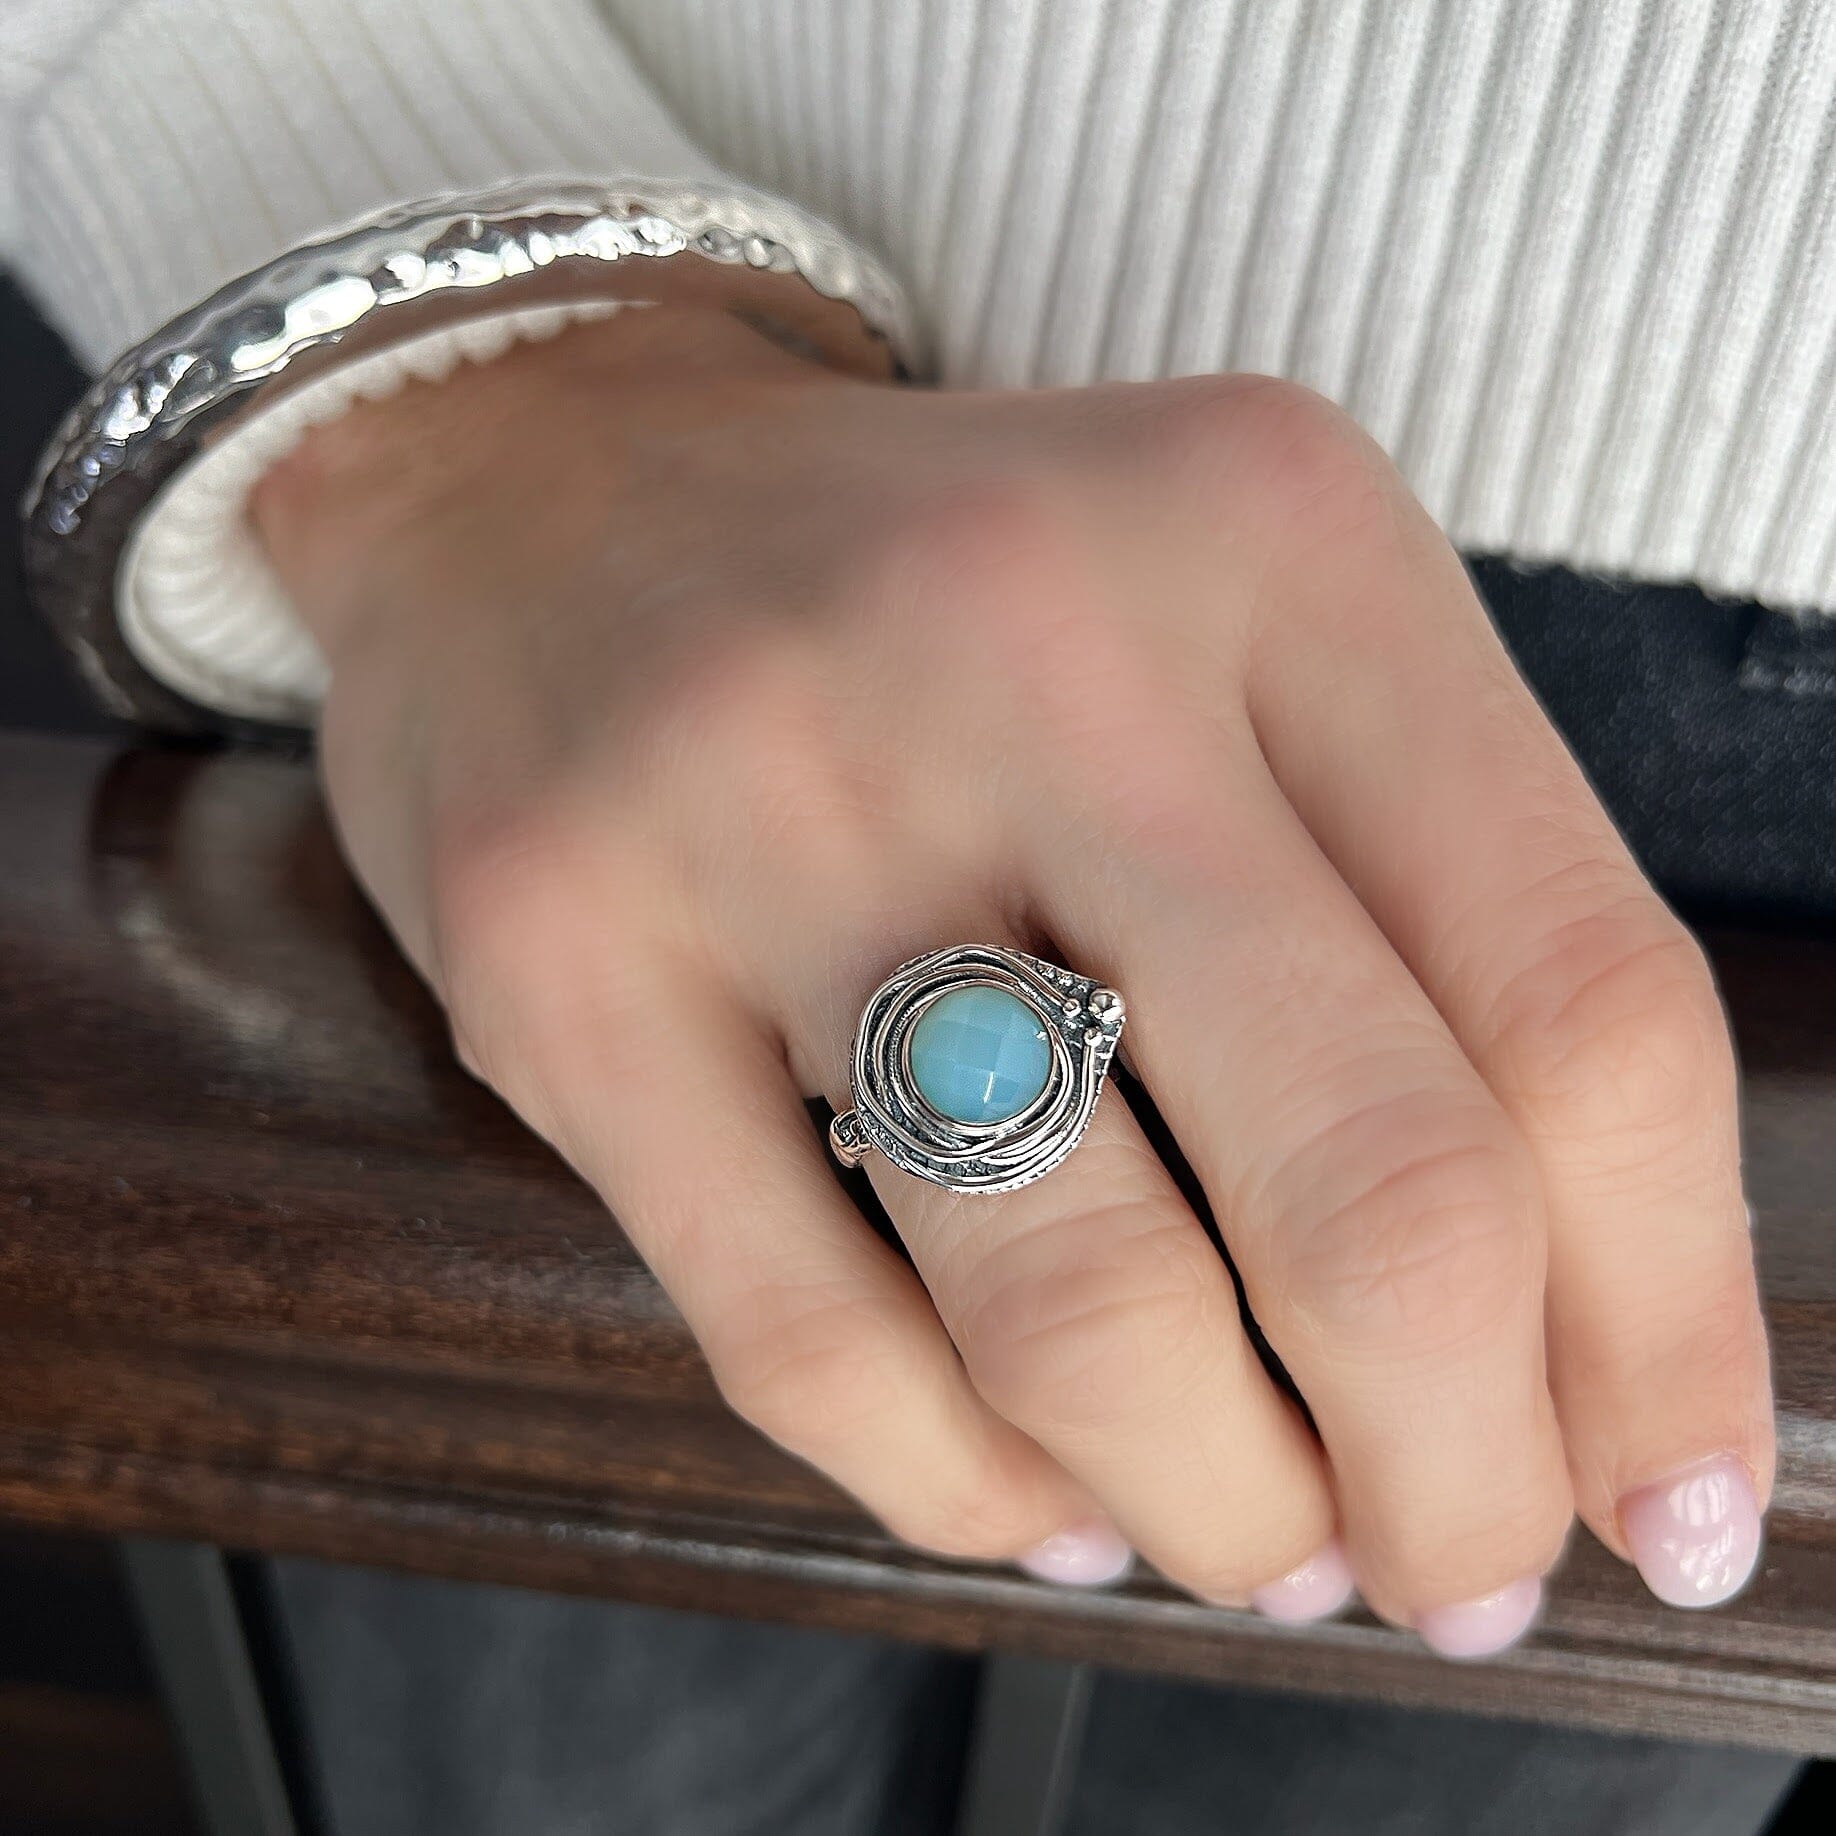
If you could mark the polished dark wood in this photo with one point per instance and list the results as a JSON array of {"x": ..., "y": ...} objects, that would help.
[{"x": 274, "y": 1273}]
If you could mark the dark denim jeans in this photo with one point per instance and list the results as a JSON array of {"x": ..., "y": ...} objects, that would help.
[
  {"x": 435, "y": 1709},
  {"x": 1708, "y": 729}
]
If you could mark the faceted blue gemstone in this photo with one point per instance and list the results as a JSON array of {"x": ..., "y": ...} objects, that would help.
[{"x": 980, "y": 1055}]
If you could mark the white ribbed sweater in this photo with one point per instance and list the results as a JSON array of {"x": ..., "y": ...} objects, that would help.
[{"x": 1572, "y": 261}]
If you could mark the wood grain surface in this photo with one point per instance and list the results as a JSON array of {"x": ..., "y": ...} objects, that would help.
[{"x": 274, "y": 1273}]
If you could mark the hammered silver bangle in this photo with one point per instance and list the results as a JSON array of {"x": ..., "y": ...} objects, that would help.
[{"x": 392, "y": 275}]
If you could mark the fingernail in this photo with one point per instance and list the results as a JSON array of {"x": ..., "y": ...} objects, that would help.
[
  {"x": 1477, "y": 1628},
  {"x": 1090, "y": 1554},
  {"x": 1696, "y": 1535},
  {"x": 1317, "y": 1589}
]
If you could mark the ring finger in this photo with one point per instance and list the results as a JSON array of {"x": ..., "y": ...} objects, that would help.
[{"x": 1092, "y": 1311}]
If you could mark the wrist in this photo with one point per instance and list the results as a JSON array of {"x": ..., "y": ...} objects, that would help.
[
  {"x": 521, "y": 453},
  {"x": 139, "y": 547}
]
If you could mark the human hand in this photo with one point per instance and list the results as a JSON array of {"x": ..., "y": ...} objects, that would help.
[{"x": 680, "y": 690}]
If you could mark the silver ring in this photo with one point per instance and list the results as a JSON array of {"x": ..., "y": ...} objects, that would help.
[{"x": 977, "y": 1068}]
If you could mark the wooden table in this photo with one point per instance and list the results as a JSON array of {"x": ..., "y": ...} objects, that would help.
[{"x": 275, "y": 1275}]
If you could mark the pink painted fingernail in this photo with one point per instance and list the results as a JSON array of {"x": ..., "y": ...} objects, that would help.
[
  {"x": 1477, "y": 1628},
  {"x": 1317, "y": 1589},
  {"x": 1090, "y": 1554},
  {"x": 1696, "y": 1535}
]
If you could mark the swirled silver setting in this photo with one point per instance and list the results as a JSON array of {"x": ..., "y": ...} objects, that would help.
[{"x": 1082, "y": 1021}]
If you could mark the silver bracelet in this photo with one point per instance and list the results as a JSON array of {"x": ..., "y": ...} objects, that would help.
[{"x": 399, "y": 273}]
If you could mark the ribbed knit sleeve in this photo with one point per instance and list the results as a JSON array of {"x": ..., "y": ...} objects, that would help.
[
  {"x": 1573, "y": 262},
  {"x": 158, "y": 148}
]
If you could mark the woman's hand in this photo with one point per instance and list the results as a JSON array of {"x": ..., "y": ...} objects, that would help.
[{"x": 681, "y": 690}]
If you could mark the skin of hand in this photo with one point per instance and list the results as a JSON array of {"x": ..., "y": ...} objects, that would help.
[{"x": 681, "y": 689}]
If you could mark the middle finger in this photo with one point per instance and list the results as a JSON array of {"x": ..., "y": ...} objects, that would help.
[{"x": 1381, "y": 1207}]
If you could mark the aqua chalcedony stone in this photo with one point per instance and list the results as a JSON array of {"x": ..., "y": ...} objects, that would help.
[{"x": 979, "y": 1055}]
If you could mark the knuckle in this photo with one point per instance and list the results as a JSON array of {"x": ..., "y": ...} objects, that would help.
[
  {"x": 1617, "y": 1024},
  {"x": 1423, "y": 1237},
  {"x": 1313, "y": 473},
  {"x": 1087, "y": 1325}
]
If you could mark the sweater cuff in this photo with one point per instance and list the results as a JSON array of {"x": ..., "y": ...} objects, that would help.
[{"x": 191, "y": 141}]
